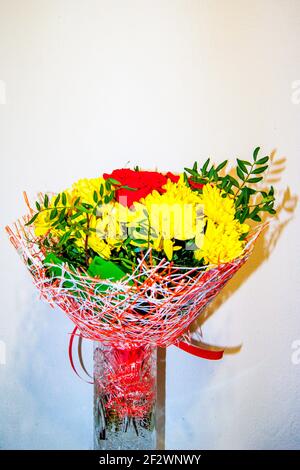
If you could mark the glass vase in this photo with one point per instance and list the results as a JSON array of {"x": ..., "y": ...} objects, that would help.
[{"x": 124, "y": 397}]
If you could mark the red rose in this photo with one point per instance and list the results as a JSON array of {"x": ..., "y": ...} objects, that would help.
[{"x": 144, "y": 182}]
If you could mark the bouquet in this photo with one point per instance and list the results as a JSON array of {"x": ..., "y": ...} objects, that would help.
[{"x": 133, "y": 257}]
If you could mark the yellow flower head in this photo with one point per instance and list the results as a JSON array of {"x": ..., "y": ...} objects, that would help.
[
  {"x": 219, "y": 245},
  {"x": 110, "y": 224},
  {"x": 221, "y": 241},
  {"x": 84, "y": 188},
  {"x": 99, "y": 245},
  {"x": 42, "y": 223},
  {"x": 220, "y": 210},
  {"x": 161, "y": 218}
]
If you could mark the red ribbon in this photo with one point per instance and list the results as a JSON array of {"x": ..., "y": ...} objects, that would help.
[
  {"x": 204, "y": 353},
  {"x": 211, "y": 354}
]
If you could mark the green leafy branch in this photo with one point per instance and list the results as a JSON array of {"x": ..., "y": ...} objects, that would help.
[
  {"x": 204, "y": 175},
  {"x": 249, "y": 202},
  {"x": 73, "y": 219}
]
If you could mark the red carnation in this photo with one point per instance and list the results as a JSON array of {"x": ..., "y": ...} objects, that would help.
[{"x": 143, "y": 183}]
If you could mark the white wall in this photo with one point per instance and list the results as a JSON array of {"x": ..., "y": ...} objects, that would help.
[{"x": 87, "y": 86}]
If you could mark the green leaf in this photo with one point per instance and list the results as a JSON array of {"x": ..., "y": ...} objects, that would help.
[
  {"x": 62, "y": 215},
  {"x": 57, "y": 200},
  {"x": 37, "y": 205},
  {"x": 200, "y": 180},
  {"x": 101, "y": 190},
  {"x": 82, "y": 222},
  {"x": 212, "y": 174},
  {"x": 259, "y": 170},
  {"x": 256, "y": 218},
  {"x": 65, "y": 237},
  {"x": 191, "y": 172},
  {"x": 114, "y": 182},
  {"x": 255, "y": 153},
  {"x": 205, "y": 166},
  {"x": 255, "y": 180},
  {"x": 95, "y": 197},
  {"x": 233, "y": 181},
  {"x": 74, "y": 216},
  {"x": 186, "y": 180},
  {"x": 128, "y": 188},
  {"x": 241, "y": 165},
  {"x": 82, "y": 209},
  {"x": 53, "y": 213},
  {"x": 110, "y": 197},
  {"x": 262, "y": 161},
  {"x": 244, "y": 214},
  {"x": 107, "y": 185},
  {"x": 240, "y": 199},
  {"x": 255, "y": 211},
  {"x": 221, "y": 166},
  {"x": 225, "y": 182},
  {"x": 139, "y": 241},
  {"x": 46, "y": 201},
  {"x": 64, "y": 199},
  {"x": 246, "y": 162},
  {"x": 32, "y": 219},
  {"x": 240, "y": 173}
]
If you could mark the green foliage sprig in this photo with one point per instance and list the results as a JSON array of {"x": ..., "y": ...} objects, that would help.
[
  {"x": 249, "y": 201},
  {"x": 73, "y": 219}
]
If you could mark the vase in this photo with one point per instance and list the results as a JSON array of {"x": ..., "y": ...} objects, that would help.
[{"x": 124, "y": 397}]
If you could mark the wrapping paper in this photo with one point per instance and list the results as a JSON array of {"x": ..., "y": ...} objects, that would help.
[{"x": 154, "y": 305}]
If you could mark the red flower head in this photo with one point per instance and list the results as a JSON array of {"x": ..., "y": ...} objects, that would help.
[{"x": 143, "y": 183}]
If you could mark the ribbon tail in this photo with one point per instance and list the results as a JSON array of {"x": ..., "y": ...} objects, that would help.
[
  {"x": 211, "y": 354},
  {"x": 73, "y": 334}
]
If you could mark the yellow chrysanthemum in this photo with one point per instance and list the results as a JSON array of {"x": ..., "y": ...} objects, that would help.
[
  {"x": 161, "y": 218},
  {"x": 175, "y": 210},
  {"x": 99, "y": 245},
  {"x": 218, "y": 209},
  {"x": 110, "y": 224},
  {"x": 221, "y": 241},
  {"x": 94, "y": 240},
  {"x": 220, "y": 244},
  {"x": 85, "y": 189},
  {"x": 42, "y": 224}
]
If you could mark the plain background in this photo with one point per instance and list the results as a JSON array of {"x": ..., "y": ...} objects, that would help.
[{"x": 87, "y": 86}]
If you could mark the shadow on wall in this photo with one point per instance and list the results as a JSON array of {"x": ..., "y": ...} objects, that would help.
[{"x": 265, "y": 244}]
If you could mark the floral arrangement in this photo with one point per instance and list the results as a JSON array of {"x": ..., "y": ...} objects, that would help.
[
  {"x": 134, "y": 256},
  {"x": 195, "y": 219},
  {"x": 130, "y": 240}
]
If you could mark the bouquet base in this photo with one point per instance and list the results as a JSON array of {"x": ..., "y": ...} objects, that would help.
[{"x": 124, "y": 398}]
